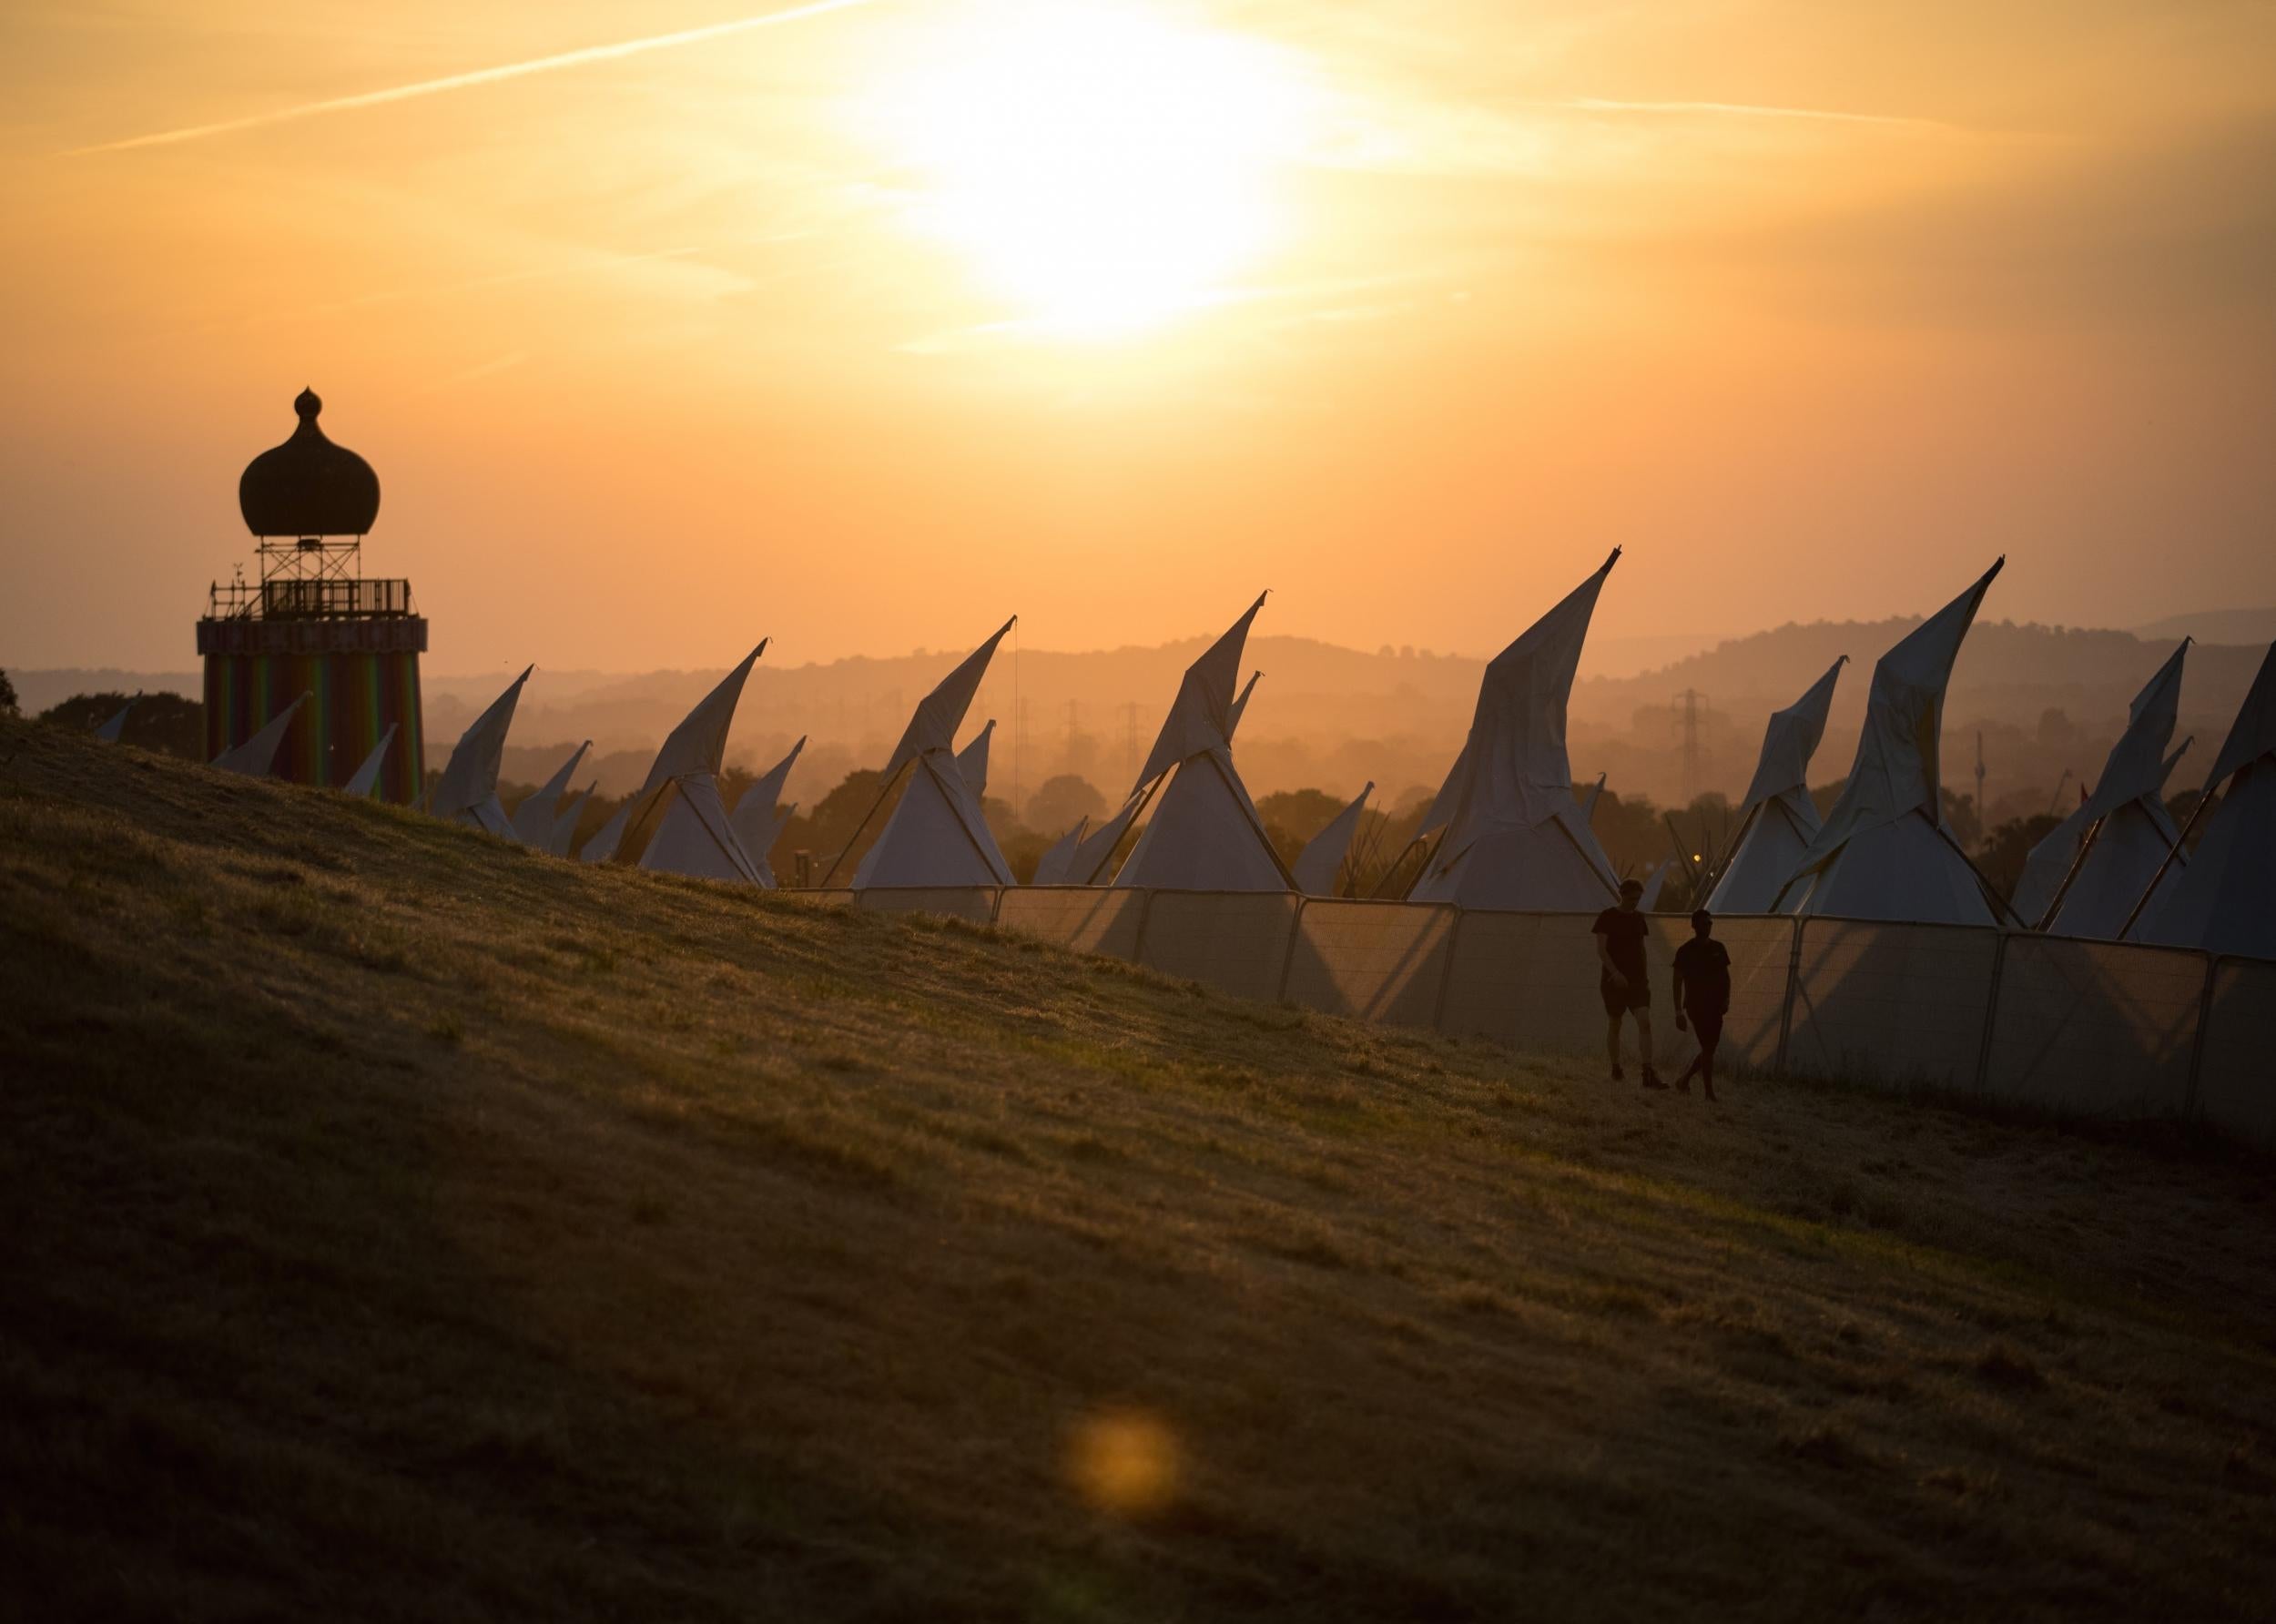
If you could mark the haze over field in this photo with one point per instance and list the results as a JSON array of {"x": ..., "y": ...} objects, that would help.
[{"x": 865, "y": 324}]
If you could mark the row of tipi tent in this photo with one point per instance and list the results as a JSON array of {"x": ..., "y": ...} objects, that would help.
[{"x": 1505, "y": 830}]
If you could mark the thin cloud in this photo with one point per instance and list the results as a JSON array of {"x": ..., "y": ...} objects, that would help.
[
  {"x": 1716, "y": 109},
  {"x": 467, "y": 81}
]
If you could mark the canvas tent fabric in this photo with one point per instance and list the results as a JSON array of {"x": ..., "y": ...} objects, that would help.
[
  {"x": 694, "y": 837},
  {"x": 1204, "y": 832},
  {"x": 680, "y": 803},
  {"x": 699, "y": 746},
  {"x": 1094, "y": 854},
  {"x": 467, "y": 792},
  {"x": 2225, "y": 900},
  {"x": 2106, "y": 839},
  {"x": 1656, "y": 883},
  {"x": 533, "y": 819},
  {"x": 1322, "y": 859},
  {"x": 1052, "y": 869},
  {"x": 972, "y": 762},
  {"x": 109, "y": 732},
  {"x": 1596, "y": 793},
  {"x": 1240, "y": 706},
  {"x": 1884, "y": 852},
  {"x": 561, "y": 839},
  {"x": 367, "y": 776},
  {"x": 759, "y": 815},
  {"x": 1514, "y": 836},
  {"x": 1778, "y": 820},
  {"x": 938, "y": 835},
  {"x": 257, "y": 757}
]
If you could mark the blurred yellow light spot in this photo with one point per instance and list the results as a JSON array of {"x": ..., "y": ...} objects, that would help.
[
  {"x": 1124, "y": 1462},
  {"x": 1099, "y": 163}
]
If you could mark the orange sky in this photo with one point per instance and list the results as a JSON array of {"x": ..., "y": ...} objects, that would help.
[{"x": 867, "y": 327}]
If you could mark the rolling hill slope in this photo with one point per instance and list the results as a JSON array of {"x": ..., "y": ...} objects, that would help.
[{"x": 403, "y": 1226}]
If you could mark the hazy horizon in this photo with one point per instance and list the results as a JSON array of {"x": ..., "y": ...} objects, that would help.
[{"x": 862, "y": 326}]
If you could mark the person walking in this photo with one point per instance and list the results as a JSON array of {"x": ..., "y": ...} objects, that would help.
[
  {"x": 1622, "y": 979},
  {"x": 1703, "y": 995}
]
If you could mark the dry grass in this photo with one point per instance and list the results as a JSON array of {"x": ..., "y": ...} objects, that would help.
[{"x": 402, "y": 1226}]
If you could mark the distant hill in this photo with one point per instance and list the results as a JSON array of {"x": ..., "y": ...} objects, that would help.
[
  {"x": 2049, "y": 701},
  {"x": 402, "y": 1226},
  {"x": 2215, "y": 626}
]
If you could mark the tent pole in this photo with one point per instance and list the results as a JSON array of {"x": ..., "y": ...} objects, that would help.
[
  {"x": 2158, "y": 878},
  {"x": 1092, "y": 878},
  {"x": 885, "y": 790},
  {"x": 1731, "y": 849},
  {"x": 2077, "y": 863},
  {"x": 1391, "y": 873}
]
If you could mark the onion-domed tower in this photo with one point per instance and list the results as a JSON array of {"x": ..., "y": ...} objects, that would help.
[{"x": 314, "y": 623}]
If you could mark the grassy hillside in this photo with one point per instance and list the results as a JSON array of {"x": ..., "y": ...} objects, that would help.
[{"x": 402, "y": 1226}]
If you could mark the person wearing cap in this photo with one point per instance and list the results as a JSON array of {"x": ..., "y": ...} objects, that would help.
[
  {"x": 1702, "y": 993},
  {"x": 1622, "y": 979}
]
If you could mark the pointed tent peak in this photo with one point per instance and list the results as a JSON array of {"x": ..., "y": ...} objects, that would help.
[
  {"x": 2253, "y": 734},
  {"x": 1792, "y": 739},
  {"x": 258, "y": 755},
  {"x": 941, "y": 713},
  {"x": 1318, "y": 865},
  {"x": 470, "y": 776},
  {"x": 2135, "y": 765},
  {"x": 971, "y": 761},
  {"x": 2174, "y": 760},
  {"x": 1206, "y": 711},
  {"x": 1051, "y": 868},
  {"x": 1241, "y": 706},
  {"x": 367, "y": 776},
  {"x": 699, "y": 744},
  {"x": 1596, "y": 793}
]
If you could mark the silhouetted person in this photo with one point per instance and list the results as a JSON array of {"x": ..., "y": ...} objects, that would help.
[
  {"x": 1703, "y": 992},
  {"x": 1625, "y": 985}
]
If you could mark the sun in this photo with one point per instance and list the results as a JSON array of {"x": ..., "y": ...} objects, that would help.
[{"x": 1101, "y": 167}]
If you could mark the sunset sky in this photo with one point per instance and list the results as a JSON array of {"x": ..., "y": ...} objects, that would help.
[{"x": 868, "y": 324}]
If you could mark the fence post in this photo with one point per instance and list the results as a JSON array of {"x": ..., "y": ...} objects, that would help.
[
  {"x": 1991, "y": 1016},
  {"x": 2197, "y": 1046},
  {"x": 1446, "y": 982},
  {"x": 995, "y": 909},
  {"x": 1138, "y": 942},
  {"x": 1288, "y": 954},
  {"x": 1786, "y": 1005}
]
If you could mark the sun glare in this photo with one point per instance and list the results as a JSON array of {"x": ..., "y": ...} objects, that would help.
[{"x": 1101, "y": 167}]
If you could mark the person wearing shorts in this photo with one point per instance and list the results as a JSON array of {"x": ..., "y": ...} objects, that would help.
[
  {"x": 1622, "y": 979},
  {"x": 1703, "y": 995}
]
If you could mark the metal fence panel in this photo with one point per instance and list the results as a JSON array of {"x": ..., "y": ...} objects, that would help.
[
  {"x": 1236, "y": 941},
  {"x": 2094, "y": 1028},
  {"x": 2235, "y": 1083},
  {"x": 976, "y": 903},
  {"x": 1081, "y": 918},
  {"x": 1382, "y": 961},
  {"x": 1529, "y": 980},
  {"x": 1892, "y": 1005},
  {"x": 1761, "y": 952}
]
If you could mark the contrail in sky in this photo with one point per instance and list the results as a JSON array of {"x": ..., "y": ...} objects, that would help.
[{"x": 481, "y": 76}]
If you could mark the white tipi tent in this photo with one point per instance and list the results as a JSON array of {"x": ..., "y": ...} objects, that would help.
[
  {"x": 1205, "y": 834},
  {"x": 2225, "y": 901},
  {"x": 2085, "y": 876},
  {"x": 680, "y": 800},
  {"x": 110, "y": 731},
  {"x": 258, "y": 755},
  {"x": 1240, "y": 706},
  {"x": 534, "y": 819},
  {"x": 937, "y": 835},
  {"x": 1779, "y": 819},
  {"x": 1096, "y": 851},
  {"x": 1052, "y": 868},
  {"x": 1655, "y": 883},
  {"x": 972, "y": 762},
  {"x": 1515, "y": 837},
  {"x": 561, "y": 839},
  {"x": 1322, "y": 858},
  {"x": 367, "y": 776},
  {"x": 759, "y": 816},
  {"x": 467, "y": 792},
  {"x": 1884, "y": 851}
]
